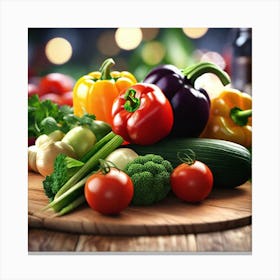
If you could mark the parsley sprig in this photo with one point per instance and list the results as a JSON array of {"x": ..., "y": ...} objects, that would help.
[{"x": 45, "y": 116}]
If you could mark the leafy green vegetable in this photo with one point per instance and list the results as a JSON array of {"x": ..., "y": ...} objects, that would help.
[
  {"x": 46, "y": 116},
  {"x": 64, "y": 168},
  {"x": 151, "y": 178},
  {"x": 93, "y": 162},
  {"x": 69, "y": 196}
]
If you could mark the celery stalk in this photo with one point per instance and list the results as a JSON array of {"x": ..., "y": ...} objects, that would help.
[
  {"x": 67, "y": 197},
  {"x": 92, "y": 163},
  {"x": 74, "y": 204},
  {"x": 97, "y": 146}
]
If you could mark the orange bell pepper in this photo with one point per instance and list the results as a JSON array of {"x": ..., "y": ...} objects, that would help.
[
  {"x": 230, "y": 118},
  {"x": 95, "y": 92}
]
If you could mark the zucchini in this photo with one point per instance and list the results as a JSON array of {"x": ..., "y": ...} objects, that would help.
[{"x": 229, "y": 162}]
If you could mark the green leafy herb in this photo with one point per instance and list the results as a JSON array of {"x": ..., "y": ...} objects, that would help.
[
  {"x": 64, "y": 168},
  {"x": 45, "y": 116},
  {"x": 70, "y": 194}
]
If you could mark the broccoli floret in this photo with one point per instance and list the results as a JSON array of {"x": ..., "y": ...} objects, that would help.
[
  {"x": 64, "y": 168},
  {"x": 151, "y": 178}
]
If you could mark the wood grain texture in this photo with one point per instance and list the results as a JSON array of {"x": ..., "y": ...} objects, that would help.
[
  {"x": 231, "y": 241},
  {"x": 223, "y": 209}
]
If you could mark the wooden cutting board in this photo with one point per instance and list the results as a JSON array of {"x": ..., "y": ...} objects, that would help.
[{"x": 223, "y": 209}]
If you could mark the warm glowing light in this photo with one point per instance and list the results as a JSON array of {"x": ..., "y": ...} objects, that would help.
[
  {"x": 106, "y": 44},
  {"x": 195, "y": 33},
  {"x": 58, "y": 50},
  {"x": 149, "y": 33},
  {"x": 153, "y": 52},
  {"x": 215, "y": 58},
  {"x": 210, "y": 82},
  {"x": 128, "y": 38}
]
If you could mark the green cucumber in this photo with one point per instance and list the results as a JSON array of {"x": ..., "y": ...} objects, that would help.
[{"x": 229, "y": 162}]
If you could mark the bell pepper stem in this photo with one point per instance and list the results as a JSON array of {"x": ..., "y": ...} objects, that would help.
[
  {"x": 240, "y": 117},
  {"x": 132, "y": 103},
  {"x": 106, "y": 68},
  {"x": 194, "y": 71}
]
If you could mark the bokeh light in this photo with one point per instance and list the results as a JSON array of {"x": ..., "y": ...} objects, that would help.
[
  {"x": 210, "y": 82},
  {"x": 149, "y": 33},
  {"x": 153, "y": 52},
  {"x": 215, "y": 58},
  {"x": 106, "y": 44},
  {"x": 58, "y": 50},
  {"x": 195, "y": 33},
  {"x": 128, "y": 38}
]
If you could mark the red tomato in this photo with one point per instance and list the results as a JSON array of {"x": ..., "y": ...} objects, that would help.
[
  {"x": 63, "y": 99},
  {"x": 109, "y": 193},
  {"x": 67, "y": 98},
  {"x": 32, "y": 90},
  {"x": 192, "y": 183},
  {"x": 53, "y": 97},
  {"x": 56, "y": 83}
]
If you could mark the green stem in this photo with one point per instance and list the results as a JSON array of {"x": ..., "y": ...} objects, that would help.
[
  {"x": 109, "y": 147},
  {"x": 188, "y": 157},
  {"x": 240, "y": 117},
  {"x": 105, "y": 69},
  {"x": 37, "y": 127},
  {"x": 194, "y": 71},
  {"x": 73, "y": 205},
  {"x": 104, "y": 166},
  {"x": 132, "y": 103},
  {"x": 98, "y": 146},
  {"x": 63, "y": 200}
]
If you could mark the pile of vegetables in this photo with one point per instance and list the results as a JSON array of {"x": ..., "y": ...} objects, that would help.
[
  {"x": 128, "y": 143},
  {"x": 45, "y": 116},
  {"x": 65, "y": 188}
]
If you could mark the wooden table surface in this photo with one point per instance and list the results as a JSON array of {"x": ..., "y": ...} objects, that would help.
[
  {"x": 234, "y": 240},
  {"x": 232, "y": 234}
]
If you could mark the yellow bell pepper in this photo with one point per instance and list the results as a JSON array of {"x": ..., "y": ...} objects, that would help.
[
  {"x": 230, "y": 118},
  {"x": 95, "y": 92}
]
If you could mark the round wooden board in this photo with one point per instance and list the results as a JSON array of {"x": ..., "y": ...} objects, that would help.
[{"x": 223, "y": 209}]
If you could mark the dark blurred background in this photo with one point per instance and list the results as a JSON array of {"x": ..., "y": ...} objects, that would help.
[{"x": 78, "y": 51}]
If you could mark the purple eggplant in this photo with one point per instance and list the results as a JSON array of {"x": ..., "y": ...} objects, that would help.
[{"x": 191, "y": 107}]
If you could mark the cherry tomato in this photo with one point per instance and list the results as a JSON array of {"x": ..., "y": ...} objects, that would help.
[
  {"x": 192, "y": 183},
  {"x": 32, "y": 89},
  {"x": 109, "y": 193},
  {"x": 53, "y": 97},
  {"x": 67, "y": 98},
  {"x": 56, "y": 83},
  {"x": 60, "y": 99}
]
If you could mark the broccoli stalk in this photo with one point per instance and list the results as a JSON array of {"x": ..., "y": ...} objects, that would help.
[{"x": 151, "y": 178}]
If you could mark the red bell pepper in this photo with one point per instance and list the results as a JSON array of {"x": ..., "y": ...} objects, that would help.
[{"x": 142, "y": 114}]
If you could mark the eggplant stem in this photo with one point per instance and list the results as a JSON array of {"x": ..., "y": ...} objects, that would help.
[{"x": 194, "y": 71}]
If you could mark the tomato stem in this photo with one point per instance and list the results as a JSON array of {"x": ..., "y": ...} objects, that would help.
[
  {"x": 188, "y": 157},
  {"x": 104, "y": 166}
]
